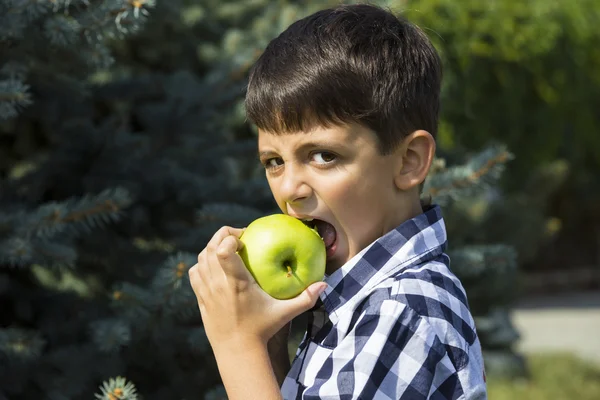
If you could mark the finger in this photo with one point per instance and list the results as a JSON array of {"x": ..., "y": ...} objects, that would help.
[
  {"x": 204, "y": 270},
  {"x": 306, "y": 300},
  {"x": 195, "y": 282},
  {"x": 201, "y": 278},
  {"x": 228, "y": 258},
  {"x": 221, "y": 234},
  {"x": 216, "y": 240}
]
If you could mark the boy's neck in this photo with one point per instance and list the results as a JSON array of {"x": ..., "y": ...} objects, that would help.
[{"x": 404, "y": 213}]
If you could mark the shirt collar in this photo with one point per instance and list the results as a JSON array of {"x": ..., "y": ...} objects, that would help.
[{"x": 417, "y": 240}]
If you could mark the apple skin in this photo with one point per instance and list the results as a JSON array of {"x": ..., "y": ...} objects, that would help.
[{"x": 274, "y": 242}]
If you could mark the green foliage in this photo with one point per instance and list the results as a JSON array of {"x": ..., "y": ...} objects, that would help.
[
  {"x": 164, "y": 185},
  {"x": 480, "y": 171},
  {"x": 526, "y": 74},
  {"x": 58, "y": 43},
  {"x": 100, "y": 221},
  {"x": 45, "y": 235}
]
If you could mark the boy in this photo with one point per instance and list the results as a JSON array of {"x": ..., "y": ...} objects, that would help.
[{"x": 346, "y": 101}]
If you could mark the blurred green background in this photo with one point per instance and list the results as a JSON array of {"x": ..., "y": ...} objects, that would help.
[{"x": 147, "y": 96}]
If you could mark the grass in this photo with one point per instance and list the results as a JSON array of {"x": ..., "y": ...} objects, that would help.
[{"x": 553, "y": 376}]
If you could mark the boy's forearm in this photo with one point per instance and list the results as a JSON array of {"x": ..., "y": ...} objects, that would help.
[{"x": 246, "y": 371}]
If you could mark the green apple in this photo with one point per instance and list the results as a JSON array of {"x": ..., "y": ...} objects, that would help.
[{"x": 283, "y": 255}]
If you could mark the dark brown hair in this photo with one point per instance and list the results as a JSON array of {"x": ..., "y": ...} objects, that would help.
[{"x": 348, "y": 64}]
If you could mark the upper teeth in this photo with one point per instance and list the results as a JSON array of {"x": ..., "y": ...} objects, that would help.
[{"x": 308, "y": 219}]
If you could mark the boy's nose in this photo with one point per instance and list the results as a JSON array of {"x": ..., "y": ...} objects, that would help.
[{"x": 294, "y": 187}]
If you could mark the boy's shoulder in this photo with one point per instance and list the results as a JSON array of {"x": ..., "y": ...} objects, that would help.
[
  {"x": 429, "y": 291},
  {"x": 429, "y": 300}
]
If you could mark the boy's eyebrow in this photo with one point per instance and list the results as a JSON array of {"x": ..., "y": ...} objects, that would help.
[
  {"x": 321, "y": 143},
  {"x": 308, "y": 145},
  {"x": 262, "y": 154}
]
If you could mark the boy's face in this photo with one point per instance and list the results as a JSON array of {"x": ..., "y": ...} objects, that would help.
[{"x": 336, "y": 175}]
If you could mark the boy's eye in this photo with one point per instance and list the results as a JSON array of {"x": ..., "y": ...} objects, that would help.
[
  {"x": 323, "y": 157},
  {"x": 273, "y": 162}
]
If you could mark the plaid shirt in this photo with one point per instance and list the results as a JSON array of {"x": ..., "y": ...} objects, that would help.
[{"x": 394, "y": 323}]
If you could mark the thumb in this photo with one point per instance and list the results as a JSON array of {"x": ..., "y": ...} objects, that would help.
[{"x": 305, "y": 300}]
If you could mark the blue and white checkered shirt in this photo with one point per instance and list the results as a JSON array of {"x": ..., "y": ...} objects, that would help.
[{"x": 394, "y": 323}]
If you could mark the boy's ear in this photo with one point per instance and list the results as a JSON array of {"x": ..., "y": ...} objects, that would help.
[{"x": 415, "y": 155}]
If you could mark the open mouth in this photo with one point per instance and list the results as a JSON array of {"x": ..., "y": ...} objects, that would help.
[{"x": 326, "y": 231}]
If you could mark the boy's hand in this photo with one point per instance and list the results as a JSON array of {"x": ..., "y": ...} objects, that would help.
[{"x": 234, "y": 309}]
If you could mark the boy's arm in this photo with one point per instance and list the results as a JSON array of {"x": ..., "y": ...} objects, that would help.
[
  {"x": 246, "y": 370},
  {"x": 239, "y": 318},
  {"x": 261, "y": 374}
]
